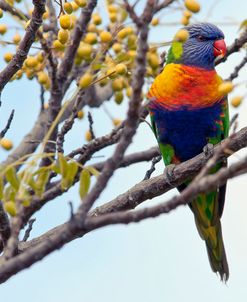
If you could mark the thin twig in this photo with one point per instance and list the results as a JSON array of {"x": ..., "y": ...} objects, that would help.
[
  {"x": 29, "y": 229},
  {"x": 149, "y": 172},
  {"x": 90, "y": 120},
  {"x": 4, "y": 131}
]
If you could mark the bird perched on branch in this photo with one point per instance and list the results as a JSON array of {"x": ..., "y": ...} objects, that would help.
[{"x": 188, "y": 113}]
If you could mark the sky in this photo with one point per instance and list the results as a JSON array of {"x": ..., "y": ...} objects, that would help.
[{"x": 161, "y": 259}]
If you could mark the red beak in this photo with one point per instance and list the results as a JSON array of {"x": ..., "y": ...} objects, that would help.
[{"x": 219, "y": 48}]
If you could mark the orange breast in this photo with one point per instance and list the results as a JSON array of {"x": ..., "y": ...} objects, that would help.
[{"x": 179, "y": 85}]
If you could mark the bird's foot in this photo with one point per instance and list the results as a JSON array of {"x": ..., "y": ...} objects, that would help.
[
  {"x": 169, "y": 173},
  {"x": 208, "y": 150}
]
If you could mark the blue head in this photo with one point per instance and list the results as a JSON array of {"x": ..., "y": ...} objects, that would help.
[{"x": 205, "y": 43}]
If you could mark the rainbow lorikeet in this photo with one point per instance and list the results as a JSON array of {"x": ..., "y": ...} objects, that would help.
[{"x": 187, "y": 113}]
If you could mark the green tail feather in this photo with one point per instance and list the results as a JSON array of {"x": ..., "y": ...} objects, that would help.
[{"x": 205, "y": 209}]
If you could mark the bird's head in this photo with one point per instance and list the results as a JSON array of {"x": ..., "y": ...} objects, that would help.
[{"x": 204, "y": 45}]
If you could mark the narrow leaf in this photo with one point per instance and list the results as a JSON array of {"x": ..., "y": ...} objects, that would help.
[
  {"x": 93, "y": 171},
  {"x": 84, "y": 183},
  {"x": 12, "y": 178}
]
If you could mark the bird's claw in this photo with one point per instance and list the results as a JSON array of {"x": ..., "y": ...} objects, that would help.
[
  {"x": 169, "y": 173},
  {"x": 208, "y": 150}
]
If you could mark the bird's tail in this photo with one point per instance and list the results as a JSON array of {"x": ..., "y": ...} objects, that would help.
[
  {"x": 215, "y": 247},
  {"x": 205, "y": 209}
]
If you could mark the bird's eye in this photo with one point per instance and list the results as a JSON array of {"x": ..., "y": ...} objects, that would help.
[{"x": 201, "y": 38}]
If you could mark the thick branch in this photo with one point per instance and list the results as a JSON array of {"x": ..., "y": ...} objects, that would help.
[{"x": 150, "y": 188}]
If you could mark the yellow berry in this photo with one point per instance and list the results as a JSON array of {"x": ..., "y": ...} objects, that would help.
[
  {"x": 105, "y": 36},
  {"x": 131, "y": 54},
  {"x": 40, "y": 57},
  {"x": 81, "y": 3},
  {"x": 155, "y": 21},
  {"x": 118, "y": 97},
  {"x": 92, "y": 28},
  {"x": 90, "y": 38},
  {"x": 31, "y": 62},
  {"x": 43, "y": 77},
  {"x": 116, "y": 122},
  {"x": 132, "y": 41},
  {"x": 63, "y": 35},
  {"x": 88, "y": 136},
  {"x": 17, "y": 38},
  {"x": 185, "y": 21},
  {"x": 103, "y": 82},
  {"x": 117, "y": 47},
  {"x": 80, "y": 114},
  {"x": 187, "y": 14},
  {"x": 129, "y": 92},
  {"x": 225, "y": 87},
  {"x": 154, "y": 60},
  {"x": 112, "y": 9},
  {"x": 8, "y": 57},
  {"x": 58, "y": 46},
  {"x": 45, "y": 15},
  {"x": 74, "y": 6},
  {"x": 68, "y": 8},
  {"x": 129, "y": 30},
  {"x": 123, "y": 33},
  {"x": 6, "y": 143},
  {"x": 84, "y": 51},
  {"x": 46, "y": 106},
  {"x": 65, "y": 21},
  {"x": 96, "y": 19},
  {"x": 121, "y": 68},
  {"x": 182, "y": 35},
  {"x": 10, "y": 208},
  {"x": 85, "y": 80},
  {"x": 113, "y": 17},
  {"x": 19, "y": 74},
  {"x": 236, "y": 101},
  {"x": 117, "y": 84},
  {"x": 192, "y": 5},
  {"x": 30, "y": 74},
  {"x": 3, "y": 29}
]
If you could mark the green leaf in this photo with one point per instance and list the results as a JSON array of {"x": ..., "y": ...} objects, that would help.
[
  {"x": 11, "y": 177},
  {"x": 9, "y": 194},
  {"x": 84, "y": 183},
  {"x": 177, "y": 50},
  {"x": 93, "y": 171},
  {"x": 41, "y": 182},
  {"x": 71, "y": 171},
  {"x": 243, "y": 24},
  {"x": 62, "y": 164}
]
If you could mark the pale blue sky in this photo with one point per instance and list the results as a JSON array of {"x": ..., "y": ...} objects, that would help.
[{"x": 160, "y": 259}]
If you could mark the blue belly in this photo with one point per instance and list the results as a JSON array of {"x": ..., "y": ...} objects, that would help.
[{"x": 186, "y": 130}]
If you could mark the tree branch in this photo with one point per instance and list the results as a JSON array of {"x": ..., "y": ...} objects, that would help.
[{"x": 25, "y": 45}]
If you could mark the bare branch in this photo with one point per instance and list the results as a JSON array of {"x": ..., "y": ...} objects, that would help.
[
  {"x": 29, "y": 229},
  {"x": 4, "y": 131},
  {"x": 237, "y": 69},
  {"x": 24, "y": 47}
]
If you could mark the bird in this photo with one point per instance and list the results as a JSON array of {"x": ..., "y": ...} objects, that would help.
[{"x": 188, "y": 113}]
